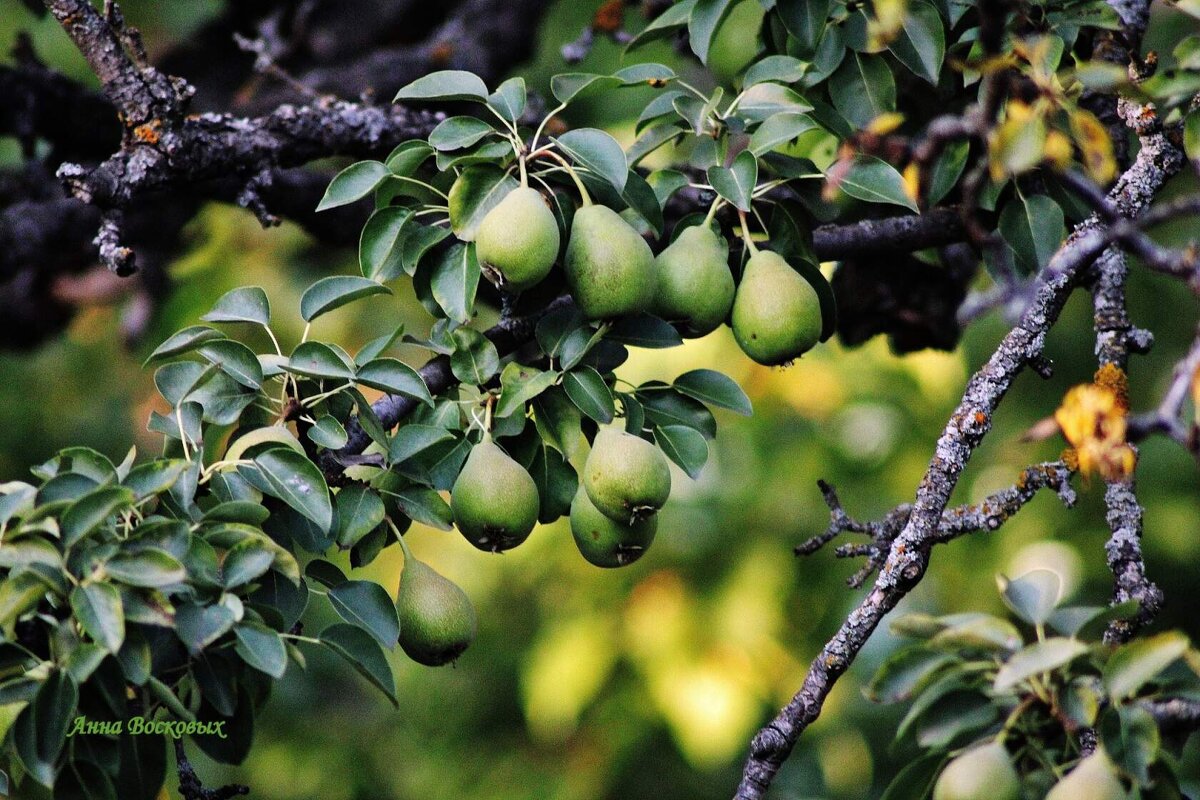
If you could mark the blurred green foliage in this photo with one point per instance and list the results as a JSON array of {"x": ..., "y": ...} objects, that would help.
[{"x": 645, "y": 682}]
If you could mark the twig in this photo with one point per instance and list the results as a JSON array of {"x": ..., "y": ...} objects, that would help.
[{"x": 190, "y": 787}]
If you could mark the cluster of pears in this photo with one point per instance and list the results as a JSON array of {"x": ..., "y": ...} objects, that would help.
[
  {"x": 775, "y": 313},
  {"x": 986, "y": 773},
  {"x": 625, "y": 481}
]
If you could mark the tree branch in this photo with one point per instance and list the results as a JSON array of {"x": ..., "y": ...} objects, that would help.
[
  {"x": 909, "y": 554},
  {"x": 987, "y": 515}
]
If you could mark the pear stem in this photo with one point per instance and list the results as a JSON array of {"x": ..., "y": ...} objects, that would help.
[
  {"x": 712, "y": 211},
  {"x": 583, "y": 192},
  {"x": 487, "y": 418},
  {"x": 524, "y": 172},
  {"x": 746, "y": 233},
  {"x": 408, "y": 556}
]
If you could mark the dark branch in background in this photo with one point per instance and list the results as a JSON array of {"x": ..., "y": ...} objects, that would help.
[
  {"x": 987, "y": 515},
  {"x": 909, "y": 553},
  {"x": 1167, "y": 417},
  {"x": 190, "y": 787}
]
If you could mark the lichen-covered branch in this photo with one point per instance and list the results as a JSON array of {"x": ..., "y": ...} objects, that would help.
[
  {"x": 909, "y": 553},
  {"x": 987, "y": 515}
]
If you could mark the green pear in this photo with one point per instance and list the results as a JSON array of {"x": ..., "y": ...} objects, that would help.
[
  {"x": 776, "y": 312},
  {"x": 695, "y": 286},
  {"x": 518, "y": 240},
  {"x": 1094, "y": 777},
  {"x": 625, "y": 476},
  {"x": 609, "y": 266},
  {"x": 494, "y": 500},
  {"x": 982, "y": 773},
  {"x": 736, "y": 40},
  {"x": 606, "y": 542},
  {"x": 437, "y": 620}
]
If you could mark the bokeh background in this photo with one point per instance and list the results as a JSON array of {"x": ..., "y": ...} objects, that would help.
[{"x": 646, "y": 682}]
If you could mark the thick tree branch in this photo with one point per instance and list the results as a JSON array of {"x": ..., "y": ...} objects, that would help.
[{"x": 909, "y": 553}]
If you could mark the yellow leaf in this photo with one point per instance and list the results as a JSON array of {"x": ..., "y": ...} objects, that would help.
[
  {"x": 1095, "y": 145},
  {"x": 1058, "y": 150},
  {"x": 912, "y": 182}
]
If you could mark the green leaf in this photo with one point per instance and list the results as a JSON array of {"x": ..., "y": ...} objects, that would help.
[
  {"x": 947, "y": 170},
  {"x": 19, "y": 593},
  {"x": 425, "y": 506},
  {"x": 353, "y": 183},
  {"x": 904, "y": 673},
  {"x": 150, "y": 568},
  {"x": 509, "y": 99},
  {"x": 455, "y": 133},
  {"x": 261, "y": 648},
  {"x": 590, "y": 393},
  {"x": 394, "y": 377},
  {"x": 875, "y": 181},
  {"x": 1033, "y": 596},
  {"x": 235, "y": 360},
  {"x": 455, "y": 280},
  {"x": 775, "y": 69},
  {"x": 52, "y": 710},
  {"x": 376, "y": 347},
  {"x": 475, "y": 192},
  {"x": 920, "y": 44},
  {"x": 1043, "y": 656},
  {"x": 520, "y": 384},
  {"x": 736, "y": 183},
  {"x": 450, "y": 84},
  {"x": 685, "y": 446},
  {"x": 598, "y": 152},
  {"x": 367, "y": 605},
  {"x": 1132, "y": 740},
  {"x": 418, "y": 240},
  {"x": 780, "y": 129},
  {"x": 407, "y": 157},
  {"x": 1033, "y": 227},
  {"x": 199, "y": 626},
  {"x": 716, "y": 389},
  {"x": 90, "y": 511},
  {"x": 185, "y": 341},
  {"x": 248, "y": 559},
  {"x": 978, "y": 632},
  {"x": 665, "y": 406},
  {"x": 805, "y": 20},
  {"x": 764, "y": 100},
  {"x": 247, "y": 304},
  {"x": 556, "y": 482},
  {"x": 380, "y": 248},
  {"x": 1139, "y": 662},
  {"x": 568, "y": 85},
  {"x": 359, "y": 511},
  {"x": 703, "y": 23},
  {"x": 328, "y": 433},
  {"x": 296, "y": 481},
  {"x": 643, "y": 330},
  {"x": 863, "y": 88},
  {"x": 98, "y": 608},
  {"x": 334, "y": 292},
  {"x": 475, "y": 359},
  {"x": 1191, "y": 135},
  {"x": 319, "y": 360},
  {"x": 665, "y": 24},
  {"x": 1084, "y": 621},
  {"x": 916, "y": 779},
  {"x": 364, "y": 654},
  {"x": 953, "y": 716}
]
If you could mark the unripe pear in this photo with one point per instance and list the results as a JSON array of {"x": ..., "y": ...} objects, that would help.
[
  {"x": 606, "y": 542},
  {"x": 610, "y": 268},
  {"x": 1094, "y": 778},
  {"x": 437, "y": 620},
  {"x": 626, "y": 477},
  {"x": 695, "y": 286},
  {"x": 776, "y": 313},
  {"x": 518, "y": 239},
  {"x": 494, "y": 501},
  {"x": 982, "y": 773}
]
